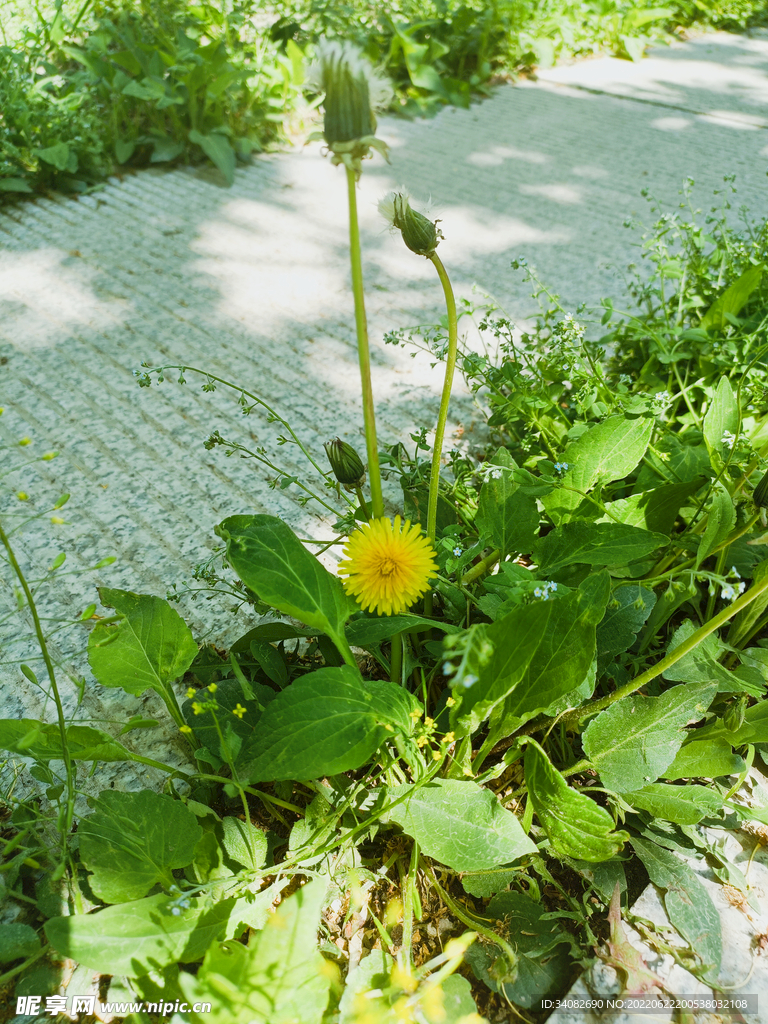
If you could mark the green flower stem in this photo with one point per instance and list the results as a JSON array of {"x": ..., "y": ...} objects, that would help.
[
  {"x": 396, "y": 658},
  {"x": 482, "y": 567},
  {"x": 575, "y": 716},
  {"x": 442, "y": 416},
  {"x": 408, "y": 889},
  {"x": 369, "y": 418},
  {"x": 62, "y": 722},
  {"x": 363, "y": 505},
  {"x": 9, "y": 975}
]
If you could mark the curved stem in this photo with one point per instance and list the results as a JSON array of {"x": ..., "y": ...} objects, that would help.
[
  {"x": 660, "y": 667},
  {"x": 363, "y": 352},
  {"x": 442, "y": 416}
]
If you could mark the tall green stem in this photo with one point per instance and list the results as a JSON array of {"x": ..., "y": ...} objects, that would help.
[
  {"x": 442, "y": 416},
  {"x": 371, "y": 447},
  {"x": 66, "y": 824}
]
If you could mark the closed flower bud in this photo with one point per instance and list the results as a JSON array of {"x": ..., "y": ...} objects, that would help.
[
  {"x": 420, "y": 234},
  {"x": 760, "y": 494},
  {"x": 734, "y": 715},
  {"x": 346, "y": 463},
  {"x": 353, "y": 90}
]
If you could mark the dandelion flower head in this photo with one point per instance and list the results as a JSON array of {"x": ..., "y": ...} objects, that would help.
[{"x": 388, "y": 566}]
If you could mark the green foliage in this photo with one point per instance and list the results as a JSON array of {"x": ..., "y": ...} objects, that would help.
[{"x": 566, "y": 700}]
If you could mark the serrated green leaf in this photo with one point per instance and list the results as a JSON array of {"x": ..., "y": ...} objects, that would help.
[
  {"x": 148, "y": 648},
  {"x": 634, "y": 740},
  {"x": 721, "y": 518},
  {"x": 84, "y": 742},
  {"x": 722, "y": 415},
  {"x": 277, "y": 979},
  {"x": 505, "y": 513},
  {"x": 460, "y": 824},
  {"x": 685, "y": 805},
  {"x": 135, "y": 938},
  {"x": 629, "y": 607},
  {"x": 133, "y": 841},
  {"x": 326, "y": 722},
  {"x": 553, "y": 649},
  {"x": 733, "y": 299},
  {"x": 610, "y": 544},
  {"x": 608, "y": 451},
  {"x": 271, "y": 560},
  {"x": 575, "y": 825},
  {"x": 687, "y": 902},
  {"x": 704, "y": 759}
]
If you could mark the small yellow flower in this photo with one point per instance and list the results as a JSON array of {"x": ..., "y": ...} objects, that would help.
[
  {"x": 449, "y": 737},
  {"x": 197, "y": 708},
  {"x": 450, "y": 702},
  {"x": 25, "y": 441},
  {"x": 421, "y": 741},
  {"x": 436, "y": 755},
  {"x": 238, "y": 710},
  {"x": 57, "y": 520},
  {"x": 185, "y": 729},
  {"x": 388, "y": 567},
  {"x": 191, "y": 692},
  {"x": 22, "y": 495},
  {"x": 212, "y": 688},
  {"x": 415, "y": 715}
]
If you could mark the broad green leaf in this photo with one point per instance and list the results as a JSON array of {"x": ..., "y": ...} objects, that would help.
[
  {"x": 687, "y": 902},
  {"x": 460, "y": 824},
  {"x": 147, "y": 648},
  {"x": 608, "y": 451},
  {"x": 279, "y": 978},
  {"x": 733, "y": 299},
  {"x": 627, "y": 610},
  {"x": 722, "y": 415},
  {"x": 368, "y": 632},
  {"x": 124, "y": 149},
  {"x": 246, "y": 845},
  {"x": 326, "y": 722},
  {"x": 271, "y": 560},
  {"x": 138, "y": 937},
  {"x": 42, "y": 741},
  {"x": 58, "y": 156},
  {"x": 634, "y": 740},
  {"x": 543, "y": 965},
  {"x": 133, "y": 841},
  {"x": 14, "y": 185},
  {"x": 610, "y": 544},
  {"x": 553, "y": 649},
  {"x": 720, "y": 521},
  {"x": 701, "y": 664},
  {"x": 655, "y": 510},
  {"x": 488, "y": 882},
  {"x": 17, "y": 941},
  {"x": 575, "y": 825},
  {"x": 218, "y": 150},
  {"x": 704, "y": 759},
  {"x": 373, "y": 972},
  {"x": 685, "y": 805},
  {"x": 505, "y": 513}
]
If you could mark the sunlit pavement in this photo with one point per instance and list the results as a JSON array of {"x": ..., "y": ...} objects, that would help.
[{"x": 252, "y": 284}]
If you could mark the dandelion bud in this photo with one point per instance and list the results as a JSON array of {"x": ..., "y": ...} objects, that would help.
[
  {"x": 346, "y": 463},
  {"x": 352, "y": 91},
  {"x": 734, "y": 715},
  {"x": 420, "y": 234},
  {"x": 760, "y": 494}
]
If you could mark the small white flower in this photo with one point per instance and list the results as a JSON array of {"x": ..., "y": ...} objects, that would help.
[{"x": 728, "y": 439}]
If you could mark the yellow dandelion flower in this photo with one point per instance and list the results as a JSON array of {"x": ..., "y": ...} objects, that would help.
[{"x": 388, "y": 567}]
